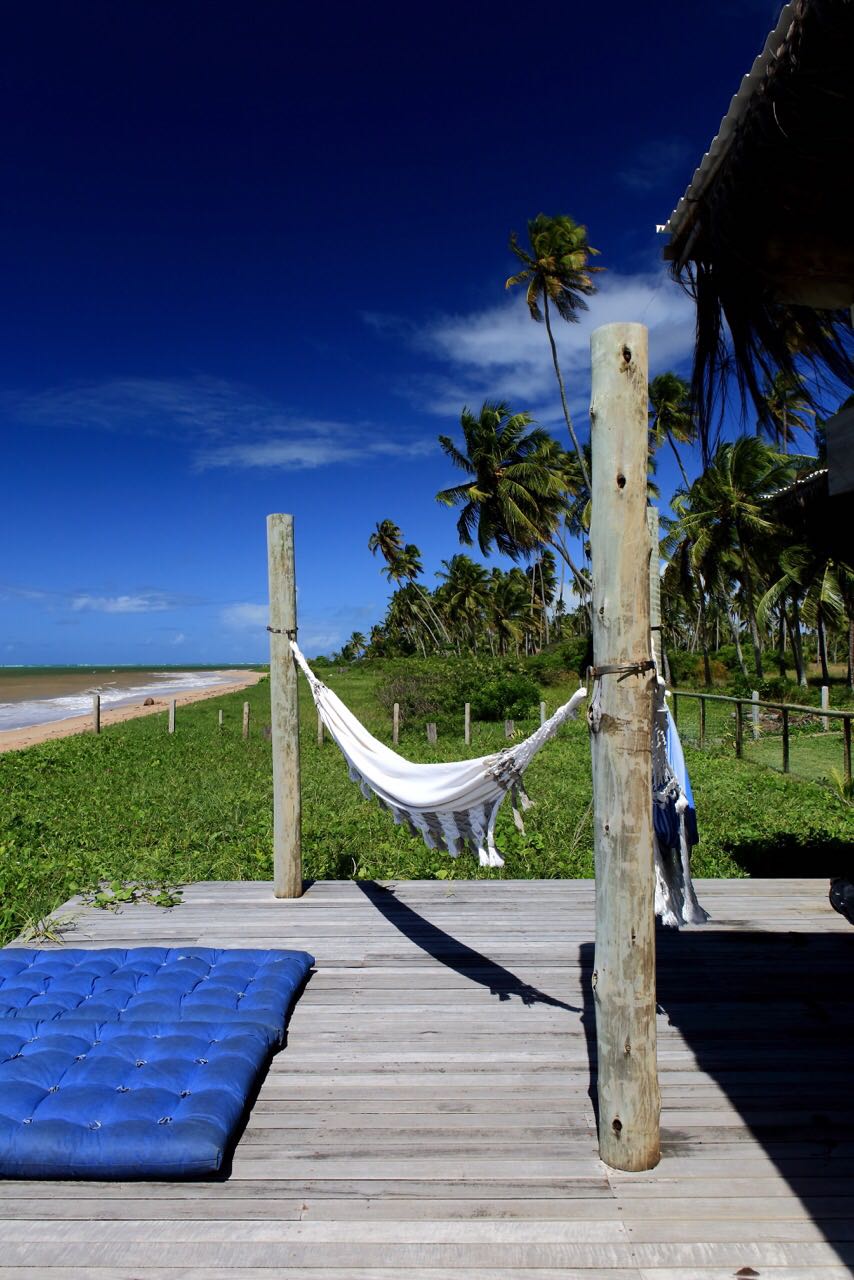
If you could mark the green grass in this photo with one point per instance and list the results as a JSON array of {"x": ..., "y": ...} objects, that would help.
[
  {"x": 814, "y": 756},
  {"x": 135, "y": 804}
]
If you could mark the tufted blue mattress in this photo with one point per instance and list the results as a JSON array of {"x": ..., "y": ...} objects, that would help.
[
  {"x": 152, "y": 984},
  {"x": 134, "y": 1064}
]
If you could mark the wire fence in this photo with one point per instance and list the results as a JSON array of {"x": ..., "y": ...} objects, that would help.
[{"x": 811, "y": 742}]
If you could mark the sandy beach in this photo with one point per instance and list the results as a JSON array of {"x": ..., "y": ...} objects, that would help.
[{"x": 18, "y": 739}]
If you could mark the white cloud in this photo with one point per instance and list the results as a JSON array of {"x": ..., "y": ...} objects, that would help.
[
  {"x": 149, "y": 603},
  {"x": 228, "y": 425},
  {"x": 244, "y": 617},
  {"x": 179, "y": 638},
  {"x": 308, "y": 454},
  {"x": 502, "y": 354}
]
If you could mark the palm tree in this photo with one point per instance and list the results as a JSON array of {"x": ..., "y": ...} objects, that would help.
[
  {"x": 671, "y": 417},
  {"x": 387, "y": 538},
  {"x": 556, "y": 269},
  {"x": 465, "y": 592},
  {"x": 508, "y": 605},
  {"x": 786, "y": 409},
  {"x": 824, "y": 583},
  {"x": 543, "y": 579},
  {"x": 517, "y": 491},
  {"x": 356, "y": 643},
  {"x": 723, "y": 512}
]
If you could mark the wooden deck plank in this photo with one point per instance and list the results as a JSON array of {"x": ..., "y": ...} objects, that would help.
[{"x": 431, "y": 1114}]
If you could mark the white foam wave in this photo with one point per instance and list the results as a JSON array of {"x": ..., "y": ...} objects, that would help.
[{"x": 35, "y": 711}]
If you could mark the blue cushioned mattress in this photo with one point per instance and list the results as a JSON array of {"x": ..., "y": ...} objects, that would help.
[
  {"x": 152, "y": 984},
  {"x": 134, "y": 1064}
]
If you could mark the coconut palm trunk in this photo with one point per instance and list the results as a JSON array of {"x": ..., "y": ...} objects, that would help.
[
  {"x": 822, "y": 647},
  {"x": 570, "y": 428},
  {"x": 794, "y": 620},
  {"x": 747, "y": 582}
]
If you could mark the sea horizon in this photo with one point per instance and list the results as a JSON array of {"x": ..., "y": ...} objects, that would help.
[{"x": 39, "y": 694}]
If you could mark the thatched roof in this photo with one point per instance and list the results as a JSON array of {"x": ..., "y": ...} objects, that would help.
[
  {"x": 762, "y": 237},
  {"x": 814, "y": 516}
]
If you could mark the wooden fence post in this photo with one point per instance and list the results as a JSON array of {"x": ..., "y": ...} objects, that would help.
[
  {"x": 825, "y": 704},
  {"x": 702, "y": 722},
  {"x": 467, "y": 724},
  {"x": 621, "y": 750},
  {"x": 846, "y": 748},
  {"x": 785, "y": 739},
  {"x": 395, "y": 723},
  {"x": 509, "y": 728},
  {"x": 96, "y": 713},
  {"x": 319, "y": 729},
  {"x": 284, "y": 709},
  {"x": 245, "y": 720},
  {"x": 220, "y": 718},
  {"x": 754, "y": 713},
  {"x": 432, "y": 734},
  {"x": 171, "y": 724},
  {"x": 739, "y": 730}
]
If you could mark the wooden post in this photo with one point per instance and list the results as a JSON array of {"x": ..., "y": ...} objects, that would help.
[
  {"x": 432, "y": 734},
  {"x": 467, "y": 724},
  {"x": 654, "y": 588},
  {"x": 785, "y": 739},
  {"x": 621, "y": 751},
  {"x": 171, "y": 725},
  {"x": 702, "y": 721},
  {"x": 542, "y": 713},
  {"x": 674, "y": 706},
  {"x": 319, "y": 730},
  {"x": 395, "y": 723},
  {"x": 96, "y": 713},
  {"x": 754, "y": 713},
  {"x": 846, "y": 748},
  {"x": 284, "y": 709},
  {"x": 739, "y": 730},
  {"x": 245, "y": 721},
  {"x": 825, "y": 704},
  {"x": 509, "y": 728},
  {"x": 220, "y": 718}
]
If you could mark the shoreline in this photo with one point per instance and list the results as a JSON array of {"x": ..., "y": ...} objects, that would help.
[{"x": 33, "y": 735}]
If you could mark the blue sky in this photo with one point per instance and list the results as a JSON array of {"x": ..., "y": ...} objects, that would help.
[{"x": 253, "y": 260}]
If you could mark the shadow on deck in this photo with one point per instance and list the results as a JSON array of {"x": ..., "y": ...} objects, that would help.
[{"x": 768, "y": 1016}]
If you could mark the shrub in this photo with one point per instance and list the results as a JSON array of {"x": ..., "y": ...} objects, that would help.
[
  {"x": 508, "y": 695},
  {"x": 435, "y": 689}
]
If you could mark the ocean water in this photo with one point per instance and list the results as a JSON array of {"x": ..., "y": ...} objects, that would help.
[{"x": 40, "y": 695}]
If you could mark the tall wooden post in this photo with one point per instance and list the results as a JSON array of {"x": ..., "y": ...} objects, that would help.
[
  {"x": 655, "y": 589},
  {"x": 284, "y": 709},
  {"x": 171, "y": 724},
  {"x": 621, "y": 749},
  {"x": 96, "y": 712}
]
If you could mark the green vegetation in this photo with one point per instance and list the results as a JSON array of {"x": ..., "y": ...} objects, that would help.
[{"x": 135, "y": 812}]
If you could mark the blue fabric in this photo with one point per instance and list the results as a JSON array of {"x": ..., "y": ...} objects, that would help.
[
  {"x": 134, "y": 1064},
  {"x": 152, "y": 984},
  {"x": 664, "y": 816}
]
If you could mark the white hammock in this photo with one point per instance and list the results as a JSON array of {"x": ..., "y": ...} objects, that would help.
[{"x": 454, "y": 806}]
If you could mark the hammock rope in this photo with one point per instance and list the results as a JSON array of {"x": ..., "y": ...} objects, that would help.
[{"x": 454, "y": 806}]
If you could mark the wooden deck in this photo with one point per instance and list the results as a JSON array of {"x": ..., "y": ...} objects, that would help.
[{"x": 431, "y": 1118}]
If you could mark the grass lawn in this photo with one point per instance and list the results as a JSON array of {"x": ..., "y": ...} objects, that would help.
[
  {"x": 814, "y": 755},
  {"x": 137, "y": 804}
]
